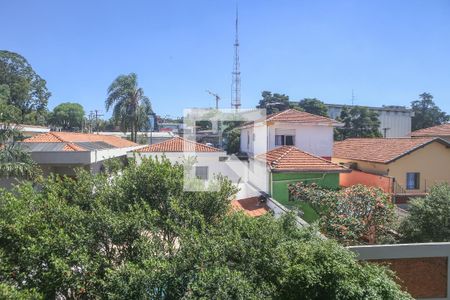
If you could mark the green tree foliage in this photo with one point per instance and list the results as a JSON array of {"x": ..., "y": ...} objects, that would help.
[
  {"x": 359, "y": 122},
  {"x": 354, "y": 215},
  {"x": 131, "y": 108},
  {"x": 22, "y": 87},
  {"x": 14, "y": 161},
  {"x": 427, "y": 113},
  {"x": 314, "y": 106},
  {"x": 429, "y": 218},
  {"x": 68, "y": 115},
  {"x": 140, "y": 236},
  {"x": 273, "y": 103}
]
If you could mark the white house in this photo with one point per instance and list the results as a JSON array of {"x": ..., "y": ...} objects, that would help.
[
  {"x": 308, "y": 132},
  {"x": 209, "y": 161},
  {"x": 63, "y": 152}
]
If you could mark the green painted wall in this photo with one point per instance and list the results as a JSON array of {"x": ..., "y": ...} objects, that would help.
[{"x": 280, "y": 181}]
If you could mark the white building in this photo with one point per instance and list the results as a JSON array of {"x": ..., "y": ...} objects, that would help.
[
  {"x": 308, "y": 132},
  {"x": 395, "y": 121},
  {"x": 63, "y": 152},
  {"x": 209, "y": 161}
]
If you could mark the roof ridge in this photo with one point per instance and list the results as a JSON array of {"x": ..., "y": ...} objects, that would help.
[{"x": 57, "y": 137}]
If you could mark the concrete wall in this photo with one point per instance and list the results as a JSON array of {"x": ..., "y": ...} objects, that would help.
[
  {"x": 281, "y": 181},
  {"x": 422, "y": 269},
  {"x": 358, "y": 177}
]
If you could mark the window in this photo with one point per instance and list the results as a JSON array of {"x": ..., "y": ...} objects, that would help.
[
  {"x": 201, "y": 173},
  {"x": 281, "y": 140},
  {"x": 412, "y": 181}
]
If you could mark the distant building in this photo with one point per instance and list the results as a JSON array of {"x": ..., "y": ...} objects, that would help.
[
  {"x": 63, "y": 152},
  {"x": 28, "y": 130},
  {"x": 291, "y": 127},
  {"x": 442, "y": 131},
  {"x": 143, "y": 137},
  {"x": 395, "y": 121}
]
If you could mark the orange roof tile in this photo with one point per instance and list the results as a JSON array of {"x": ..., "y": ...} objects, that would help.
[
  {"x": 296, "y": 116},
  {"x": 178, "y": 144},
  {"x": 74, "y": 137},
  {"x": 252, "y": 207},
  {"x": 290, "y": 158},
  {"x": 439, "y": 130},
  {"x": 381, "y": 150}
]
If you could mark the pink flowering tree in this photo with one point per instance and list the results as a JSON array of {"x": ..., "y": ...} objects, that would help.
[{"x": 354, "y": 215}]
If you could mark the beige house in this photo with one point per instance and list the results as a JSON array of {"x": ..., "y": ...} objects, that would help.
[{"x": 413, "y": 164}]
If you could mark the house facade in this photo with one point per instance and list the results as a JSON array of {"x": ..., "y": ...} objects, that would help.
[
  {"x": 288, "y": 165},
  {"x": 412, "y": 164},
  {"x": 209, "y": 161},
  {"x": 63, "y": 152},
  {"x": 308, "y": 132}
]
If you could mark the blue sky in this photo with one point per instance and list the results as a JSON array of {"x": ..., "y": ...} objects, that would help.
[{"x": 387, "y": 51}]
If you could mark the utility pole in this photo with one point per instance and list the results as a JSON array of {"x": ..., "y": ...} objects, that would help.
[
  {"x": 96, "y": 114},
  {"x": 236, "y": 82},
  {"x": 216, "y": 96}
]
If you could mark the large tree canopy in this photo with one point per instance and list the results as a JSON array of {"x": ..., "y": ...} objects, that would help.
[
  {"x": 359, "y": 122},
  {"x": 131, "y": 108},
  {"x": 429, "y": 218},
  {"x": 21, "y": 86},
  {"x": 273, "y": 102},
  {"x": 427, "y": 113},
  {"x": 140, "y": 236},
  {"x": 313, "y": 106},
  {"x": 68, "y": 115}
]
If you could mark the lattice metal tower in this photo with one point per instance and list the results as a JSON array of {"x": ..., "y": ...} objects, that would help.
[{"x": 236, "y": 83}]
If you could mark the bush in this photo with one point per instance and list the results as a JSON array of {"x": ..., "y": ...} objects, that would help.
[
  {"x": 139, "y": 235},
  {"x": 354, "y": 215},
  {"x": 429, "y": 217}
]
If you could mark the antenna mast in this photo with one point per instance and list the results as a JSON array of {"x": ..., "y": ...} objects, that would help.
[{"x": 236, "y": 83}]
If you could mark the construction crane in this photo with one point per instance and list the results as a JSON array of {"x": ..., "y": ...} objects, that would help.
[{"x": 216, "y": 96}]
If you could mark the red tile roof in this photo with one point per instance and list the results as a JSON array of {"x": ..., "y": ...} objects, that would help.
[
  {"x": 379, "y": 150},
  {"x": 296, "y": 116},
  {"x": 439, "y": 130},
  {"x": 252, "y": 207},
  {"x": 178, "y": 144},
  {"x": 290, "y": 158},
  {"x": 74, "y": 137}
]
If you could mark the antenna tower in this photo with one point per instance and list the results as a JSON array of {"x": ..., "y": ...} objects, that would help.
[{"x": 236, "y": 83}]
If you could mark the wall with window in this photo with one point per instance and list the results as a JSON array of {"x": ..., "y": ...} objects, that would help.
[
  {"x": 317, "y": 140},
  {"x": 422, "y": 168}
]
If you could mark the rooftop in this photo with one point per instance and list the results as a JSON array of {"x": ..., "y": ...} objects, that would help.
[
  {"x": 73, "y": 141},
  {"x": 290, "y": 158},
  {"x": 178, "y": 144},
  {"x": 439, "y": 130},
  {"x": 252, "y": 207},
  {"x": 380, "y": 150},
  {"x": 296, "y": 116}
]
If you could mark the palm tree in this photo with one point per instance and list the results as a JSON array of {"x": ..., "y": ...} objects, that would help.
[
  {"x": 14, "y": 161},
  {"x": 131, "y": 107}
]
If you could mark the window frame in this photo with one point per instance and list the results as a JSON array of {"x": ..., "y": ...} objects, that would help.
[
  {"x": 416, "y": 179},
  {"x": 283, "y": 139},
  {"x": 197, "y": 168}
]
